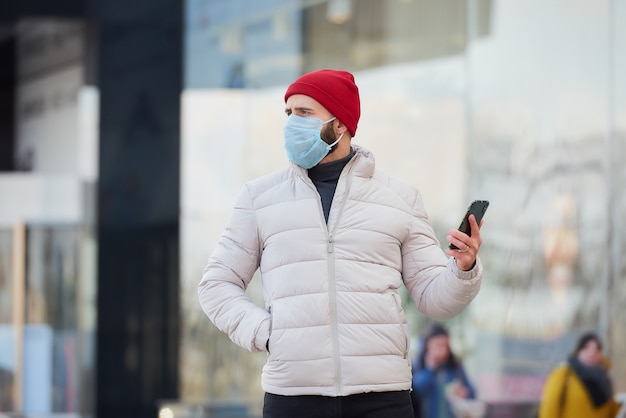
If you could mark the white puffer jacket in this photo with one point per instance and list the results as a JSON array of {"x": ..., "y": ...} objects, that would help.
[{"x": 333, "y": 315}]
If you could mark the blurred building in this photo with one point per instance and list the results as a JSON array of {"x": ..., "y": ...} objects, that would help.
[
  {"x": 89, "y": 271},
  {"x": 128, "y": 128}
]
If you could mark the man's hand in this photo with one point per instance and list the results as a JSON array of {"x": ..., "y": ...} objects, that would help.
[{"x": 468, "y": 246}]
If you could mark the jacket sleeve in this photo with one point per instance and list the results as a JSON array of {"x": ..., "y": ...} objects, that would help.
[
  {"x": 471, "y": 393},
  {"x": 231, "y": 266},
  {"x": 552, "y": 391},
  {"x": 439, "y": 288},
  {"x": 615, "y": 407}
]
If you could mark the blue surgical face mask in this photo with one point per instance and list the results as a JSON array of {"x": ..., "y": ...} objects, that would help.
[{"x": 303, "y": 143}]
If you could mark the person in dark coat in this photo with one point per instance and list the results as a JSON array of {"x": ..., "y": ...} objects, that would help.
[{"x": 436, "y": 368}]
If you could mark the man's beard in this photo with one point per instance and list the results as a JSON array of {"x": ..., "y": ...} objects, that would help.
[{"x": 328, "y": 135}]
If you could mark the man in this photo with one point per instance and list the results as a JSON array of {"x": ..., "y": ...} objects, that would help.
[{"x": 334, "y": 239}]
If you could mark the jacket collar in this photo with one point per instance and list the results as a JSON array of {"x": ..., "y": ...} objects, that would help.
[{"x": 361, "y": 165}]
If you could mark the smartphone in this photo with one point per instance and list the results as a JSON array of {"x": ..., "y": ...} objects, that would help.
[{"x": 476, "y": 208}]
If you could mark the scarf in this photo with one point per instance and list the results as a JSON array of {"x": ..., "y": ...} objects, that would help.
[{"x": 595, "y": 379}]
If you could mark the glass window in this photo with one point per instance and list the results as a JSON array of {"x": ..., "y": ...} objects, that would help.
[
  {"x": 519, "y": 103},
  {"x": 55, "y": 367},
  {"x": 7, "y": 358}
]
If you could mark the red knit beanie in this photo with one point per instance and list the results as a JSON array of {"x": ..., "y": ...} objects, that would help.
[{"x": 333, "y": 89}]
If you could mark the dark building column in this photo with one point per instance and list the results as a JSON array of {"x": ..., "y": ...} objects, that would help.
[
  {"x": 138, "y": 71},
  {"x": 139, "y": 75},
  {"x": 7, "y": 97}
]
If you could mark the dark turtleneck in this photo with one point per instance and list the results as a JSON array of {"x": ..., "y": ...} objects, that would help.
[{"x": 325, "y": 177}]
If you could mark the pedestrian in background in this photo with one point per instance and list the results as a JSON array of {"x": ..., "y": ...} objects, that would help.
[
  {"x": 439, "y": 377},
  {"x": 334, "y": 239},
  {"x": 580, "y": 387}
]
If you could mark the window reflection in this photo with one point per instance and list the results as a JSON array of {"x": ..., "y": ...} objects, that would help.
[
  {"x": 483, "y": 98},
  {"x": 56, "y": 339}
]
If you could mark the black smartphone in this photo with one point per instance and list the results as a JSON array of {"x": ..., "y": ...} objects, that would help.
[{"x": 476, "y": 208}]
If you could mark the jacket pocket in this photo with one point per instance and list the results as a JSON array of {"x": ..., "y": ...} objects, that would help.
[
  {"x": 402, "y": 323},
  {"x": 269, "y": 338}
]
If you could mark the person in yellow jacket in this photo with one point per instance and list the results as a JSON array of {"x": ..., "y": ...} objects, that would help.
[{"x": 580, "y": 387}]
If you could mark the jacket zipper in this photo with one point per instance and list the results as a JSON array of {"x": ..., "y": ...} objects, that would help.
[
  {"x": 332, "y": 291},
  {"x": 332, "y": 301},
  {"x": 332, "y": 294}
]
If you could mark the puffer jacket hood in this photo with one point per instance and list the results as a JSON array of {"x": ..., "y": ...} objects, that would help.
[{"x": 333, "y": 319}]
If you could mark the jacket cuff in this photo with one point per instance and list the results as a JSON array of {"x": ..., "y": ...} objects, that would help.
[
  {"x": 475, "y": 272},
  {"x": 263, "y": 335}
]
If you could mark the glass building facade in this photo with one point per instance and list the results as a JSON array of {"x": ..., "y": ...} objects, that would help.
[{"x": 519, "y": 103}]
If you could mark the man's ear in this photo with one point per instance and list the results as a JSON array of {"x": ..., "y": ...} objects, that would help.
[{"x": 342, "y": 129}]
